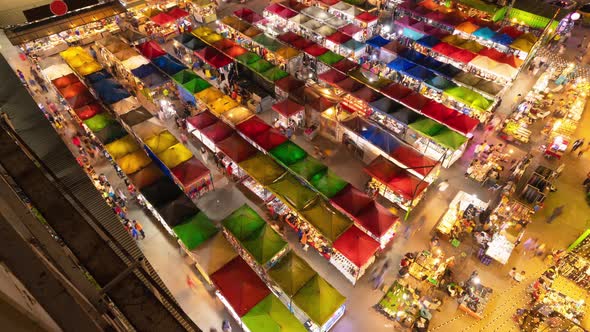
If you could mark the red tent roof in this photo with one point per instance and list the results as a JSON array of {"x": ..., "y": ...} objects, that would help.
[
  {"x": 240, "y": 285},
  {"x": 224, "y": 43},
  {"x": 287, "y": 107},
  {"x": 269, "y": 139},
  {"x": 217, "y": 131},
  {"x": 302, "y": 44},
  {"x": 202, "y": 120},
  {"x": 396, "y": 91},
  {"x": 509, "y": 59},
  {"x": 351, "y": 200},
  {"x": 236, "y": 148},
  {"x": 437, "y": 111},
  {"x": 366, "y": 94},
  {"x": 289, "y": 84},
  {"x": 492, "y": 53},
  {"x": 81, "y": 99},
  {"x": 177, "y": 12},
  {"x": 248, "y": 15},
  {"x": 462, "y": 123},
  {"x": 345, "y": 65},
  {"x": 214, "y": 57},
  {"x": 366, "y": 17},
  {"x": 315, "y": 50},
  {"x": 243, "y": 12},
  {"x": 415, "y": 101},
  {"x": 235, "y": 51},
  {"x": 288, "y": 37},
  {"x": 396, "y": 178},
  {"x": 162, "y": 19},
  {"x": 73, "y": 90},
  {"x": 274, "y": 8},
  {"x": 463, "y": 56},
  {"x": 445, "y": 49},
  {"x": 64, "y": 81},
  {"x": 413, "y": 159},
  {"x": 88, "y": 111},
  {"x": 190, "y": 171},
  {"x": 332, "y": 76},
  {"x": 253, "y": 127},
  {"x": 287, "y": 13},
  {"x": 377, "y": 219},
  {"x": 151, "y": 49},
  {"x": 350, "y": 29},
  {"x": 349, "y": 84},
  {"x": 357, "y": 246},
  {"x": 330, "y": 2},
  {"x": 511, "y": 31},
  {"x": 338, "y": 37}
]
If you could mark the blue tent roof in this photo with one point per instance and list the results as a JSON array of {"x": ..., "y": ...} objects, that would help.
[
  {"x": 168, "y": 64},
  {"x": 439, "y": 83},
  {"x": 354, "y": 45},
  {"x": 485, "y": 33},
  {"x": 144, "y": 70},
  {"x": 105, "y": 86},
  {"x": 412, "y": 34},
  {"x": 400, "y": 64},
  {"x": 420, "y": 73},
  {"x": 428, "y": 41},
  {"x": 502, "y": 39},
  {"x": 413, "y": 56},
  {"x": 430, "y": 62},
  {"x": 379, "y": 138},
  {"x": 447, "y": 70},
  {"x": 377, "y": 41},
  {"x": 115, "y": 96},
  {"x": 98, "y": 76}
]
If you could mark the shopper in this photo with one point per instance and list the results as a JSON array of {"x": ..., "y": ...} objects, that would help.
[
  {"x": 134, "y": 233},
  {"x": 577, "y": 144},
  {"x": 556, "y": 213},
  {"x": 512, "y": 273},
  {"x": 519, "y": 276},
  {"x": 139, "y": 228},
  {"x": 587, "y": 181},
  {"x": 529, "y": 245}
]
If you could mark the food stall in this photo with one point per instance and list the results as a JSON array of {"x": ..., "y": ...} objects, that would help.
[
  {"x": 401, "y": 303},
  {"x": 476, "y": 298},
  {"x": 290, "y": 114},
  {"x": 461, "y": 217},
  {"x": 429, "y": 266},
  {"x": 204, "y": 11}
]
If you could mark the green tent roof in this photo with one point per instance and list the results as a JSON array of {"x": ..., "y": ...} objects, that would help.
[
  {"x": 268, "y": 42},
  {"x": 288, "y": 153},
  {"x": 270, "y": 315},
  {"x": 328, "y": 183},
  {"x": 370, "y": 79},
  {"x": 328, "y": 221},
  {"x": 243, "y": 223},
  {"x": 262, "y": 168},
  {"x": 330, "y": 58},
  {"x": 469, "y": 97},
  {"x": 196, "y": 85},
  {"x": 260, "y": 66},
  {"x": 449, "y": 139},
  {"x": 99, "y": 121},
  {"x": 184, "y": 76},
  {"x": 426, "y": 127},
  {"x": 274, "y": 74},
  {"x": 248, "y": 58},
  {"x": 308, "y": 167},
  {"x": 264, "y": 244},
  {"x": 195, "y": 230},
  {"x": 294, "y": 192},
  {"x": 319, "y": 300},
  {"x": 480, "y": 5},
  {"x": 291, "y": 273}
]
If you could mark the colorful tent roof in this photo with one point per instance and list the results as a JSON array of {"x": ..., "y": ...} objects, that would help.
[
  {"x": 345, "y": 65},
  {"x": 357, "y": 246},
  {"x": 88, "y": 111},
  {"x": 160, "y": 142},
  {"x": 319, "y": 300},
  {"x": 175, "y": 155},
  {"x": 190, "y": 172},
  {"x": 366, "y": 17},
  {"x": 209, "y": 95},
  {"x": 168, "y": 64},
  {"x": 293, "y": 192},
  {"x": 287, "y": 108},
  {"x": 269, "y": 139},
  {"x": 99, "y": 121},
  {"x": 288, "y": 153},
  {"x": 243, "y": 223},
  {"x": 330, "y": 58},
  {"x": 450, "y": 139},
  {"x": 185, "y": 76},
  {"x": 253, "y": 127},
  {"x": 289, "y": 84},
  {"x": 274, "y": 74},
  {"x": 242, "y": 295},
  {"x": 268, "y": 42},
  {"x": 414, "y": 160},
  {"x": 133, "y": 162},
  {"x": 213, "y": 57},
  {"x": 287, "y": 53},
  {"x": 217, "y": 131},
  {"x": 178, "y": 210},
  {"x": 291, "y": 273},
  {"x": 177, "y": 13},
  {"x": 271, "y": 315},
  {"x": 214, "y": 253},
  {"x": 122, "y": 147},
  {"x": 262, "y": 168},
  {"x": 237, "y": 115},
  {"x": 260, "y": 66},
  {"x": 395, "y": 178},
  {"x": 264, "y": 245},
  {"x": 351, "y": 200},
  {"x": 308, "y": 167},
  {"x": 315, "y": 50},
  {"x": 146, "y": 176},
  {"x": 248, "y": 15},
  {"x": 376, "y": 218},
  {"x": 236, "y": 148},
  {"x": 338, "y": 38},
  {"x": 248, "y": 58},
  {"x": 81, "y": 99},
  {"x": 328, "y": 183},
  {"x": 377, "y": 41},
  {"x": 148, "y": 128},
  {"x": 467, "y": 27},
  {"x": 326, "y": 219},
  {"x": 195, "y": 230},
  {"x": 151, "y": 50}
]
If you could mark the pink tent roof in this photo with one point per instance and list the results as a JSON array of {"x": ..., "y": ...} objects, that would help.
[
  {"x": 357, "y": 246},
  {"x": 214, "y": 57},
  {"x": 248, "y": 15},
  {"x": 397, "y": 179},
  {"x": 366, "y": 17},
  {"x": 162, "y": 19},
  {"x": 202, "y": 120},
  {"x": 338, "y": 37},
  {"x": 511, "y": 31},
  {"x": 287, "y": 107},
  {"x": 491, "y": 53},
  {"x": 377, "y": 219},
  {"x": 151, "y": 49},
  {"x": 217, "y": 131},
  {"x": 396, "y": 91},
  {"x": 350, "y": 29},
  {"x": 330, "y": 2},
  {"x": 177, "y": 12},
  {"x": 351, "y": 200},
  {"x": 287, "y": 13},
  {"x": 303, "y": 43},
  {"x": 315, "y": 50},
  {"x": 274, "y": 8},
  {"x": 270, "y": 139},
  {"x": 332, "y": 76},
  {"x": 253, "y": 127}
]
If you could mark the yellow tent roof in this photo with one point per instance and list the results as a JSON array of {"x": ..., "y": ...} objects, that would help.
[
  {"x": 175, "y": 155},
  {"x": 161, "y": 142},
  {"x": 522, "y": 44},
  {"x": 122, "y": 147},
  {"x": 148, "y": 129},
  {"x": 209, "y": 95},
  {"x": 212, "y": 38},
  {"x": 88, "y": 68},
  {"x": 72, "y": 52},
  {"x": 237, "y": 115},
  {"x": 202, "y": 31},
  {"x": 287, "y": 52},
  {"x": 222, "y": 105},
  {"x": 467, "y": 27},
  {"x": 453, "y": 40},
  {"x": 133, "y": 162}
]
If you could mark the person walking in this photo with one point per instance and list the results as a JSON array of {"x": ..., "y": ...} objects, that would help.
[
  {"x": 556, "y": 213},
  {"x": 134, "y": 233},
  {"x": 139, "y": 228},
  {"x": 587, "y": 180},
  {"x": 519, "y": 277},
  {"x": 512, "y": 273},
  {"x": 577, "y": 144},
  {"x": 529, "y": 245},
  {"x": 225, "y": 326}
]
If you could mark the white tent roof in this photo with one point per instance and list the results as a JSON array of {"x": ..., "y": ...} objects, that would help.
[
  {"x": 135, "y": 61},
  {"x": 325, "y": 30},
  {"x": 312, "y": 25},
  {"x": 317, "y": 13},
  {"x": 341, "y": 6},
  {"x": 337, "y": 23},
  {"x": 125, "y": 105},
  {"x": 299, "y": 19},
  {"x": 57, "y": 71},
  {"x": 148, "y": 128},
  {"x": 483, "y": 63}
]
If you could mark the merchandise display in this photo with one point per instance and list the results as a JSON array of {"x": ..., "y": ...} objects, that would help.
[{"x": 461, "y": 216}]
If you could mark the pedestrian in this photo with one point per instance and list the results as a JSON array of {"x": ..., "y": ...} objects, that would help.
[
  {"x": 407, "y": 230},
  {"x": 127, "y": 226},
  {"x": 134, "y": 233},
  {"x": 587, "y": 181},
  {"x": 540, "y": 250},
  {"x": 303, "y": 241},
  {"x": 76, "y": 141},
  {"x": 229, "y": 171},
  {"x": 139, "y": 228},
  {"x": 189, "y": 281},
  {"x": 529, "y": 245},
  {"x": 519, "y": 276},
  {"x": 121, "y": 195},
  {"x": 225, "y": 326},
  {"x": 21, "y": 76},
  {"x": 556, "y": 213},
  {"x": 443, "y": 185},
  {"x": 380, "y": 276},
  {"x": 583, "y": 150},
  {"x": 577, "y": 143},
  {"x": 512, "y": 273},
  {"x": 559, "y": 170}
]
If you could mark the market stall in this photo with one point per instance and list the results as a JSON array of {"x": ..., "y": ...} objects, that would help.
[
  {"x": 204, "y": 11},
  {"x": 401, "y": 303},
  {"x": 461, "y": 217},
  {"x": 429, "y": 266},
  {"x": 476, "y": 297}
]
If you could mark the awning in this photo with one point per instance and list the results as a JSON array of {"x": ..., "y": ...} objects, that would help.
[
  {"x": 366, "y": 17},
  {"x": 289, "y": 188},
  {"x": 248, "y": 58},
  {"x": 264, "y": 244},
  {"x": 366, "y": 94},
  {"x": 242, "y": 295},
  {"x": 260, "y": 66},
  {"x": 287, "y": 108},
  {"x": 190, "y": 172},
  {"x": 291, "y": 273},
  {"x": 214, "y": 253},
  {"x": 319, "y": 300},
  {"x": 236, "y": 148},
  {"x": 262, "y": 168},
  {"x": 467, "y": 27},
  {"x": 195, "y": 231},
  {"x": 485, "y": 33},
  {"x": 356, "y": 246}
]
